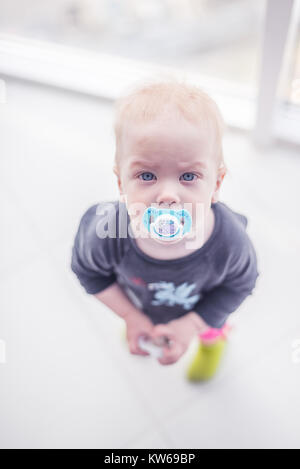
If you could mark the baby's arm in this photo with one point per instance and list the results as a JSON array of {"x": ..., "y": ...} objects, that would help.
[
  {"x": 137, "y": 323},
  {"x": 116, "y": 300},
  {"x": 181, "y": 330},
  {"x": 200, "y": 325}
]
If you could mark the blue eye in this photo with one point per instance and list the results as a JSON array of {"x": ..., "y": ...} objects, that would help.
[
  {"x": 148, "y": 178},
  {"x": 189, "y": 174}
]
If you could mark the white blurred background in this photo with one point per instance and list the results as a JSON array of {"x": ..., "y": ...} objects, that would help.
[{"x": 67, "y": 378}]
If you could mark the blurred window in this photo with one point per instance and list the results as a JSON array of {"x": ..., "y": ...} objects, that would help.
[
  {"x": 218, "y": 38},
  {"x": 292, "y": 84}
]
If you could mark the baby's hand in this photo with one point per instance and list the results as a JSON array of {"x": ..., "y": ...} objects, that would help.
[
  {"x": 137, "y": 324},
  {"x": 180, "y": 332}
]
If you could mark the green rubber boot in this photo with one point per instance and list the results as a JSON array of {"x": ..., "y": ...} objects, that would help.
[{"x": 206, "y": 361}]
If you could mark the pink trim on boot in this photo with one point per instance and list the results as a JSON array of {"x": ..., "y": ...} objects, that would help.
[{"x": 213, "y": 333}]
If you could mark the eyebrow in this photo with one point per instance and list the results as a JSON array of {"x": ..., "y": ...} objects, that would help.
[
  {"x": 143, "y": 163},
  {"x": 182, "y": 165}
]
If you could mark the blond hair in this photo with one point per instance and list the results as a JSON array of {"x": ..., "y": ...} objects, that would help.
[{"x": 151, "y": 100}]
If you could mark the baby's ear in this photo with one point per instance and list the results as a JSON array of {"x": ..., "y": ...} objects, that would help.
[
  {"x": 122, "y": 196},
  {"x": 220, "y": 177},
  {"x": 116, "y": 172}
]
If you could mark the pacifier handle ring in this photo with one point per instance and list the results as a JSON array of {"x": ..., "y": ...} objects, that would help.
[
  {"x": 187, "y": 220},
  {"x": 147, "y": 216}
]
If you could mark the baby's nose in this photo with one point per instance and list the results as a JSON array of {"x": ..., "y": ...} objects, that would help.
[
  {"x": 172, "y": 206},
  {"x": 168, "y": 201},
  {"x": 166, "y": 204}
]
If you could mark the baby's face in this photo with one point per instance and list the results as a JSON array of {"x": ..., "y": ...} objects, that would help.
[{"x": 168, "y": 163}]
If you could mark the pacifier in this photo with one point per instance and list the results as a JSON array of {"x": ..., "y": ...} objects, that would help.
[{"x": 167, "y": 224}]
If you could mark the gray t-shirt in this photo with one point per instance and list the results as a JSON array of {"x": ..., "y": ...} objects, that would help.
[{"x": 212, "y": 281}]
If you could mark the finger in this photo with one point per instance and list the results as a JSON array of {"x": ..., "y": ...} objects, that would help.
[
  {"x": 161, "y": 335},
  {"x": 142, "y": 352},
  {"x": 161, "y": 341},
  {"x": 168, "y": 361},
  {"x": 135, "y": 350},
  {"x": 160, "y": 329},
  {"x": 171, "y": 355}
]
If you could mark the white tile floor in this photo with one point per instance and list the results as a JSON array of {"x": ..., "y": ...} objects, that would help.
[{"x": 68, "y": 379}]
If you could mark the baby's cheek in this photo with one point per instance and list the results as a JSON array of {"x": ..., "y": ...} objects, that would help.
[{"x": 136, "y": 199}]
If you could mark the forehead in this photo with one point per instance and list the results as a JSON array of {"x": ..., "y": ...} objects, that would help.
[{"x": 172, "y": 138}]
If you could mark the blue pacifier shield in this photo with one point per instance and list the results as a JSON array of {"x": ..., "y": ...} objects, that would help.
[{"x": 167, "y": 224}]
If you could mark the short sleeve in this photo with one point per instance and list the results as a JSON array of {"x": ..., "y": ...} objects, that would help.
[
  {"x": 238, "y": 283},
  {"x": 92, "y": 256}
]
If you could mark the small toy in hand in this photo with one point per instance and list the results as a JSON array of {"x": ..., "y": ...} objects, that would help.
[{"x": 155, "y": 350}]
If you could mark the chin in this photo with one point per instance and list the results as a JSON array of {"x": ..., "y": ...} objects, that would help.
[{"x": 165, "y": 243}]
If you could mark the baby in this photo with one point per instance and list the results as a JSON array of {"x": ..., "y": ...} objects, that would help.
[{"x": 168, "y": 156}]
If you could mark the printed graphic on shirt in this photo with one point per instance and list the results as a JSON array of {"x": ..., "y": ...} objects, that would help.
[{"x": 168, "y": 294}]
